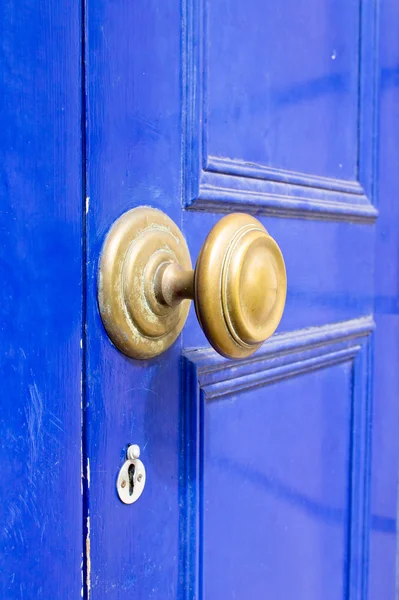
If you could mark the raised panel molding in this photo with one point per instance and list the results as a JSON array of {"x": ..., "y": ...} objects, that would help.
[
  {"x": 222, "y": 184},
  {"x": 207, "y": 377}
]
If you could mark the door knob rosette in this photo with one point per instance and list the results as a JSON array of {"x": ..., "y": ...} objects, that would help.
[{"x": 146, "y": 282}]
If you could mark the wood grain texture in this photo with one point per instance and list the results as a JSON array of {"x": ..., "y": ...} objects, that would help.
[{"x": 41, "y": 307}]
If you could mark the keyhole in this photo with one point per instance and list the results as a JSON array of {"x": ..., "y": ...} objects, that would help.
[{"x": 130, "y": 473}]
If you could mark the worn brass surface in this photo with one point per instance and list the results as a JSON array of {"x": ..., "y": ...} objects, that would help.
[
  {"x": 240, "y": 285},
  {"x": 145, "y": 282},
  {"x": 139, "y": 245}
]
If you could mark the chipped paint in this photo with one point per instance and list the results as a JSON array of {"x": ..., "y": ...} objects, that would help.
[
  {"x": 82, "y": 591},
  {"x": 87, "y": 204},
  {"x": 81, "y": 437},
  {"x": 88, "y": 559}
]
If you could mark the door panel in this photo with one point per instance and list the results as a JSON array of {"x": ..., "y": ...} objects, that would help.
[
  {"x": 276, "y": 98},
  {"x": 278, "y": 107},
  {"x": 277, "y": 453}
]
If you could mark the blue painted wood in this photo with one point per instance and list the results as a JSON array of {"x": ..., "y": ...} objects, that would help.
[
  {"x": 259, "y": 479},
  {"x": 41, "y": 300},
  {"x": 258, "y": 472},
  {"x": 133, "y": 152},
  {"x": 294, "y": 451},
  {"x": 384, "y": 502},
  {"x": 283, "y": 80}
]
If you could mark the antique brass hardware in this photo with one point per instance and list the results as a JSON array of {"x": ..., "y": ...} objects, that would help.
[{"x": 146, "y": 282}]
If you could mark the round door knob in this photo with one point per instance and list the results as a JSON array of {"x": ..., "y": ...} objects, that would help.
[{"x": 145, "y": 284}]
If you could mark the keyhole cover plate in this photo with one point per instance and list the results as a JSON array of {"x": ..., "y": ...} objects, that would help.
[{"x": 124, "y": 482}]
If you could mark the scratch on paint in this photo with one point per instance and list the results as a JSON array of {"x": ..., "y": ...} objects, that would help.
[
  {"x": 34, "y": 418},
  {"x": 87, "y": 204},
  {"x": 88, "y": 560}
]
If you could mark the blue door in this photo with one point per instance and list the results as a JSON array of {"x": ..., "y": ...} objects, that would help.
[{"x": 267, "y": 476}]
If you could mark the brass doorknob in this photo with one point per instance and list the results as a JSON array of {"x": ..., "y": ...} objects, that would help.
[{"x": 146, "y": 282}]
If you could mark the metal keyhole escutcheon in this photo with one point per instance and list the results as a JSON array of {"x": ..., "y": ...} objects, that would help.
[{"x": 131, "y": 477}]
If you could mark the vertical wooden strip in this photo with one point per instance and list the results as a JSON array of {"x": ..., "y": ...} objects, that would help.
[{"x": 40, "y": 310}]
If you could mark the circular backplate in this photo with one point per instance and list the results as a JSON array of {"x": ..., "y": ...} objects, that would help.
[
  {"x": 240, "y": 285},
  {"x": 140, "y": 243}
]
